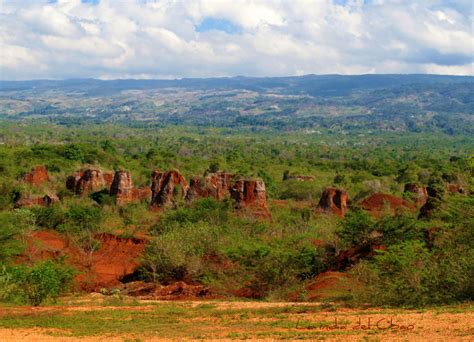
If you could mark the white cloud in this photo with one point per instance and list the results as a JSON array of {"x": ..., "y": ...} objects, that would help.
[{"x": 154, "y": 39}]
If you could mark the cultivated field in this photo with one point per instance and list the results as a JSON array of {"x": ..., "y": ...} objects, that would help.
[{"x": 95, "y": 318}]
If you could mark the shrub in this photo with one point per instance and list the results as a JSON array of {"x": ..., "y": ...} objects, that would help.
[
  {"x": 49, "y": 217},
  {"x": 409, "y": 274},
  {"x": 177, "y": 252},
  {"x": 269, "y": 266},
  {"x": 34, "y": 284},
  {"x": 12, "y": 225}
]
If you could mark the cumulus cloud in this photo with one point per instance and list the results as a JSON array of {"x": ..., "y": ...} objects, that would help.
[{"x": 203, "y": 38}]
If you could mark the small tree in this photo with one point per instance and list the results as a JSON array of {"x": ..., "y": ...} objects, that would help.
[{"x": 82, "y": 224}]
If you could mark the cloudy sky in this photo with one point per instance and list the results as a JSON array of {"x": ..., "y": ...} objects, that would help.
[{"x": 203, "y": 38}]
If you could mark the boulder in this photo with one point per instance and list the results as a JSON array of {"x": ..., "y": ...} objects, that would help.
[
  {"x": 166, "y": 188},
  {"x": 215, "y": 185},
  {"x": 37, "y": 176},
  {"x": 419, "y": 193},
  {"x": 251, "y": 195},
  {"x": 89, "y": 180},
  {"x": 334, "y": 201}
]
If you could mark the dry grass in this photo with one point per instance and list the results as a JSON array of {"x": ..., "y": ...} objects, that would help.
[{"x": 95, "y": 319}]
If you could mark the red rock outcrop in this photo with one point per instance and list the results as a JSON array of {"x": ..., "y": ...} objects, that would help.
[
  {"x": 216, "y": 185},
  {"x": 37, "y": 176},
  {"x": 419, "y": 193},
  {"x": 351, "y": 256},
  {"x": 251, "y": 195},
  {"x": 333, "y": 200},
  {"x": 167, "y": 188},
  {"x": 30, "y": 201},
  {"x": 124, "y": 192},
  {"x": 377, "y": 202},
  {"x": 89, "y": 180},
  {"x": 122, "y": 187}
]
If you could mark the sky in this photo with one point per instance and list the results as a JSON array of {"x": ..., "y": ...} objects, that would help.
[{"x": 163, "y": 39}]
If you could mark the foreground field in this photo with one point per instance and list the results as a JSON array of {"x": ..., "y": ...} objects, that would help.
[{"x": 96, "y": 318}]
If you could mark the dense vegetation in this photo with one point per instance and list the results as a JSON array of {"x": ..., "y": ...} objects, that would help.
[{"x": 423, "y": 260}]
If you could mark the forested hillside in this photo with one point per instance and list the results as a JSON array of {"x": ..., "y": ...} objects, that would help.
[{"x": 394, "y": 103}]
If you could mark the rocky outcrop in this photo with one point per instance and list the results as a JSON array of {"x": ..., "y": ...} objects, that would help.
[
  {"x": 354, "y": 254},
  {"x": 30, "y": 201},
  {"x": 333, "y": 201},
  {"x": 122, "y": 187},
  {"x": 89, "y": 180},
  {"x": 379, "y": 202},
  {"x": 435, "y": 199},
  {"x": 167, "y": 188},
  {"x": 418, "y": 193},
  {"x": 37, "y": 176},
  {"x": 124, "y": 192},
  {"x": 215, "y": 185},
  {"x": 251, "y": 195}
]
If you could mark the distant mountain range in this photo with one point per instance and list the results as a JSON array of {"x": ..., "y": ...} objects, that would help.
[
  {"x": 415, "y": 103},
  {"x": 313, "y": 85}
]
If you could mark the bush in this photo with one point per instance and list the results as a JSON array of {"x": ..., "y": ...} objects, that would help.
[
  {"x": 35, "y": 284},
  {"x": 269, "y": 266},
  {"x": 177, "y": 252},
  {"x": 359, "y": 228},
  {"x": 82, "y": 218},
  {"x": 12, "y": 225},
  {"x": 49, "y": 217},
  {"x": 409, "y": 274}
]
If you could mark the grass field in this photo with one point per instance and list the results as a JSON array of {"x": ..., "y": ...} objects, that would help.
[{"x": 95, "y": 318}]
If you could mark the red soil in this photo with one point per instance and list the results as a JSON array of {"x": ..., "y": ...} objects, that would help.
[
  {"x": 329, "y": 284},
  {"x": 115, "y": 258},
  {"x": 379, "y": 201},
  {"x": 37, "y": 176}
]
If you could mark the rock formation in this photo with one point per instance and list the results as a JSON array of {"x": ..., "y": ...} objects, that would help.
[
  {"x": 419, "y": 193},
  {"x": 434, "y": 201},
  {"x": 124, "y": 192},
  {"x": 122, "y": 187},
  {"x": 37, "y": 176},
  {"x": 251, "y": 195},
  {"x": 216, "y": 185},
  {"x": 30, "y": 201},
  {"x": 89, "y": 180},
  {"x": 333, "y": 200},
  {"x": 167, "y": 188}
]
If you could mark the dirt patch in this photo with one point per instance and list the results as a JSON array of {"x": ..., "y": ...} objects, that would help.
[
  {"x": 115, "y": 258},
  {"x": 328, "y": 285},
  {"x": 379, "y": 202}
]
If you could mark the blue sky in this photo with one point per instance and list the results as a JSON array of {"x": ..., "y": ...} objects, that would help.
[{"x": 208, "y": 38}]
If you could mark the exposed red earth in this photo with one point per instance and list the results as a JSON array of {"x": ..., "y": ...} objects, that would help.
[
  {"x": 37, "y": 176},
  {"x": 378, "y": 202},
  {"x": 115, "y": 258}
]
